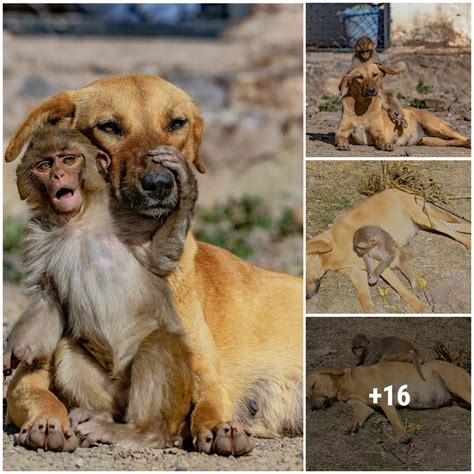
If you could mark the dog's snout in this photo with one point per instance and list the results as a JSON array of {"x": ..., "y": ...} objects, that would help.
[
  {"x": 371, "y": 89},
  {"x": 158, "y": 182}
]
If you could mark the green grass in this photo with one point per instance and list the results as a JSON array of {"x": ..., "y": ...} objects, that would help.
[
  {"x": 332, "y": 104},
  {"x": 423, "y": 88},
  {"x": 233, "y": 225}
]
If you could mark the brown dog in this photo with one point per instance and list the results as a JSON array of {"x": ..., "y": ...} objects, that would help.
[
  {"x": 445, "y": 383},
  {"x": 364, "y": 121},
  {"x": 398, "y": 213},
  {"x": 248, "y": 380}
]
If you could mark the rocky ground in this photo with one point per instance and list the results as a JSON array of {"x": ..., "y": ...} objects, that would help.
[
  {"x": 250, "y": 89},
  {"x": 435, "y": 79}
]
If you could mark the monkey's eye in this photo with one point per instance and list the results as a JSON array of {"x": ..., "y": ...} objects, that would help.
[
  {"x": 110, "y": 127},
  {"x": 69, "y": 159},
  {"x": 43, "y": 166},
  {"x": 177, "y": 124}
]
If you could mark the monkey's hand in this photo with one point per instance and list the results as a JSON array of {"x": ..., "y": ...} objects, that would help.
[
  {"x": 397, "y": 118},
  {"x": 373, "y": 278},
  {"x": 171, "y": 159},
  {"x": 15, "y": 352}
]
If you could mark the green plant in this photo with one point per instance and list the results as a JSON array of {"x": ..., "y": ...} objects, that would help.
[{"x": 423, "y": 88}]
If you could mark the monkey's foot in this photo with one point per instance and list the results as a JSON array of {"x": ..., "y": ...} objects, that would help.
[
  {"x": 81, "y": 415},
  {"x": 95, "y": 430},
  {"x": 46, "y": 434},
  {"x": 225, "y": 439}
]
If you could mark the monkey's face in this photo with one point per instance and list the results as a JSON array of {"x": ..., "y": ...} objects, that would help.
[
  {"x": 364, "y": 48},
  {"x": 58, "y": 178},
  {"x": 358, "y": 351}
]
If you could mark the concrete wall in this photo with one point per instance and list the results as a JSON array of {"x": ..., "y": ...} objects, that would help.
[{"x": 447, "y": 24}]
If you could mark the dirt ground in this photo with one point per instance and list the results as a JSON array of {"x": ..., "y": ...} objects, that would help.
[
  {"x": 439, "y": 79},
  {"x": 332, "y": 189},
  {"x": 249, "y": 87},
  {"x": 443, "y": 438}
]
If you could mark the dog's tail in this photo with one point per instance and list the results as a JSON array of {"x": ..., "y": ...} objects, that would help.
[{"x": 440, "y": 133}]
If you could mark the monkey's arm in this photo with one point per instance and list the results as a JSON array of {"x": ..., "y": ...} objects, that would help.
[
  {"x": 374, "y": 275},
  {"x": 35, "y": 334},
  {"x": 393, "y": 107}
]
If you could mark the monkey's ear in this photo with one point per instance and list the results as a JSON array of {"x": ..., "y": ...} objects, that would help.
[
  {"x": 333, "y": 372},
  {"x": 57, "y": 110},
  {"x": 387, "y": 70},
  {"x": 103, "y": 162},
  {"x": 314, "y": 247},
  {"x": 198, "y": 128}
]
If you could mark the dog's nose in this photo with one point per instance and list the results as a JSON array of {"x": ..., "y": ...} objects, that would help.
[
  {"x": 371, "y": 90},
  {"x": 159, "y": 183}
]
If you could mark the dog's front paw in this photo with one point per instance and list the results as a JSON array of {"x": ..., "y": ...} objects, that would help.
[
  {"x": 343, "y": 146},
  {"x": 225, "y": 439},
  {"x": 47, "y": 434},
  {"x": 387, "y": 147},
  {"x": 405, "y": 439}
]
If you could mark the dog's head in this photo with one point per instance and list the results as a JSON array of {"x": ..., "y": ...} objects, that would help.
[
  {"x": 317, "y": 253},
  {"x": 321, "y": 389},
  {"x": 127, "y": 117},
  {"x": 365, "y": 80}
]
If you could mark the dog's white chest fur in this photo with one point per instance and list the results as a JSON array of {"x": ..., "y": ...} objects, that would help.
[{"x": 360, "y": 135}]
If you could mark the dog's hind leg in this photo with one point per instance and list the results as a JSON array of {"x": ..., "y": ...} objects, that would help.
[
  {"x": 404, "y": 293},
  {"x": 441, "y": 222},
  {"x": 441, "y": 133},
  {"x": 359, "y": 280},
  {"x": 457, "y": 381},
  {"x": 361, "y": 414}
]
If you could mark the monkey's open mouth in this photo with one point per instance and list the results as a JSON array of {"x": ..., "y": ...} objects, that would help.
[
  {"x": 64, "y": 193},
  {"x": 67, "y": 200}
]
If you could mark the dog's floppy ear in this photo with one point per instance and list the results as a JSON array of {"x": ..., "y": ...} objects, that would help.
[
  {"x": 345, "y": 81},
  {"x": 57, "y": 110},
  {"x": 332, "y": 371},
  {"x": 197, "y": 138},
  {"x": 387, "y": 70},
  {"x": 314, "y": 247}
]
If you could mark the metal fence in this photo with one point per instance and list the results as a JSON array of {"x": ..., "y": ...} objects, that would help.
[{"x": 336, "y": 26}]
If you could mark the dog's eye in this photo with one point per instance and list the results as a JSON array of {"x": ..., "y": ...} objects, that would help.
[
  {"x": 374, "y": 74},
  {"x": 177, "y": 124},
  {"x": 112, "y": 128},
  {"x": 359, "y": 77}
]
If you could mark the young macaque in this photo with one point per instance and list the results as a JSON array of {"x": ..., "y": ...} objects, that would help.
[
  {"x": 365, "y": 52},
  {"x": 385, "y": 349},
  {"x": 88, "y": 276},
  {"x": 373, "y": 243}
]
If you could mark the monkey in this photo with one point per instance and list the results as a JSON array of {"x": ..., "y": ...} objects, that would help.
[
  {"x": 372, "y": 242},
  {"x": 365, "y": 52},
  {"x": 370, "y": 351},
  {"x": 98, "y": 296}
]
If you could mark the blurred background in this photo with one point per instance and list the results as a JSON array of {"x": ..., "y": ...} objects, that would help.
[{"x": 241, "y": 63}]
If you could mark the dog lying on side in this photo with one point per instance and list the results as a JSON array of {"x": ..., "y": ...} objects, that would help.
[
  {"x": 395, "y": 211},
  {"x": 445, "y": 384},
  {"x": 365, "y": 121}
]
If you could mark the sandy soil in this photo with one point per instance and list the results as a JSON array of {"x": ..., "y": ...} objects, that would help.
[
  {"x": 443, "y": 439},
  {"x": 250, "y": 90},
  {"x": 444, "y": 73},
  {"x": 332, "y": 189}
]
